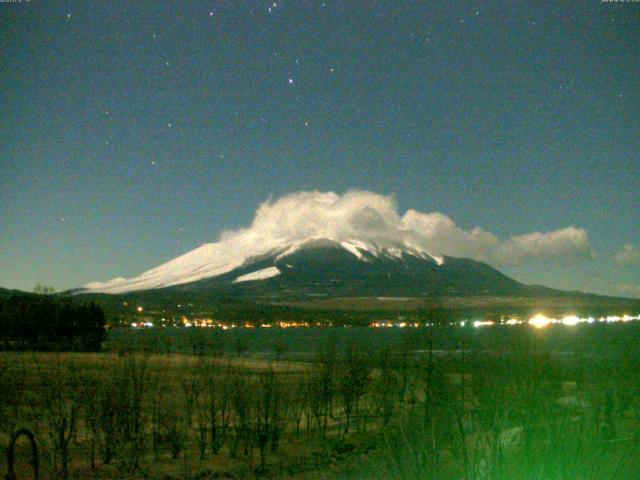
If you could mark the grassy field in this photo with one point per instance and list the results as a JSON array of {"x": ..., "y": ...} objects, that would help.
[{"x": 500, "y": 403}]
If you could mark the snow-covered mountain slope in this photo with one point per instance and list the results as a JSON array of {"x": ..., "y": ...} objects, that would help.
[
  {"x": 261, "y": 274},
  {"x": 217, "y": 260}
]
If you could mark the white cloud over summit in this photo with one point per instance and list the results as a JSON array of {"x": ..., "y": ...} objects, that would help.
[{"x": 368, "y": 216}]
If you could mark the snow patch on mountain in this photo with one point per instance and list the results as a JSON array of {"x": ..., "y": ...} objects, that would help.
[
  {"x": 262, "y": 274},
  {"x": 352, "y": 248},
  {"x": 394, "y": 252},
  {"x": 208, "y": 260}
]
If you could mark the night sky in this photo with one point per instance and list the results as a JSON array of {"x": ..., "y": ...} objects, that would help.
[{"x": 132, "y": 132}]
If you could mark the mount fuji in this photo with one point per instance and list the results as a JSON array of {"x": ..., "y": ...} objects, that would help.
[
  {"x": 320, "y": 267},
  {"x": 322, "y": 249}
]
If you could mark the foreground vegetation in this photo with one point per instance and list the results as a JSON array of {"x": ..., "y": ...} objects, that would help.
[{"x": 404, "y": 411}]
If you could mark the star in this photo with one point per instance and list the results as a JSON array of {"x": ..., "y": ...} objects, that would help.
[
  {"x": 153, "y": 162},
  {"x": 290, "y": 81},
  {"x": 154, "y": 36},
  {"x": 169, "y": 125},
  {"x": 211, "y": 13},
  {"x": 306, "y": 123},
  {"x": 68, "y": 15},
  {"x": 167, "y": 64}
]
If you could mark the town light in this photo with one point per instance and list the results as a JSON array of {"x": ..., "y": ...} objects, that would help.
[
  {"x": 540, "y": 321},
  {"x": 571, "y": 320}
]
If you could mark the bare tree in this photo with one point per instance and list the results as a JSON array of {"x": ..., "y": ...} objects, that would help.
[
  {"x": 61, "y": 403},
  {"x": 386, "y": 387},
  {"x": 353, "y": 379}
]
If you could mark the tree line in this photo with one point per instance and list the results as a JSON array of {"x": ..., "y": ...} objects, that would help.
[{"x": 46, "y": 322}]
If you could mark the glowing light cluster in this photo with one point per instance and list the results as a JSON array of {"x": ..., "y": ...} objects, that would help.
[
  {"x": 541, "y": 321},
  {"x": 292, "y": 324},
  {"x": 141, "y": 324},
  {"x": 538, "y": 321},
  {"x": 483, "y": 323},
  {"x": 387, "y": 324},
  {"x": 571, "y": 320}
]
